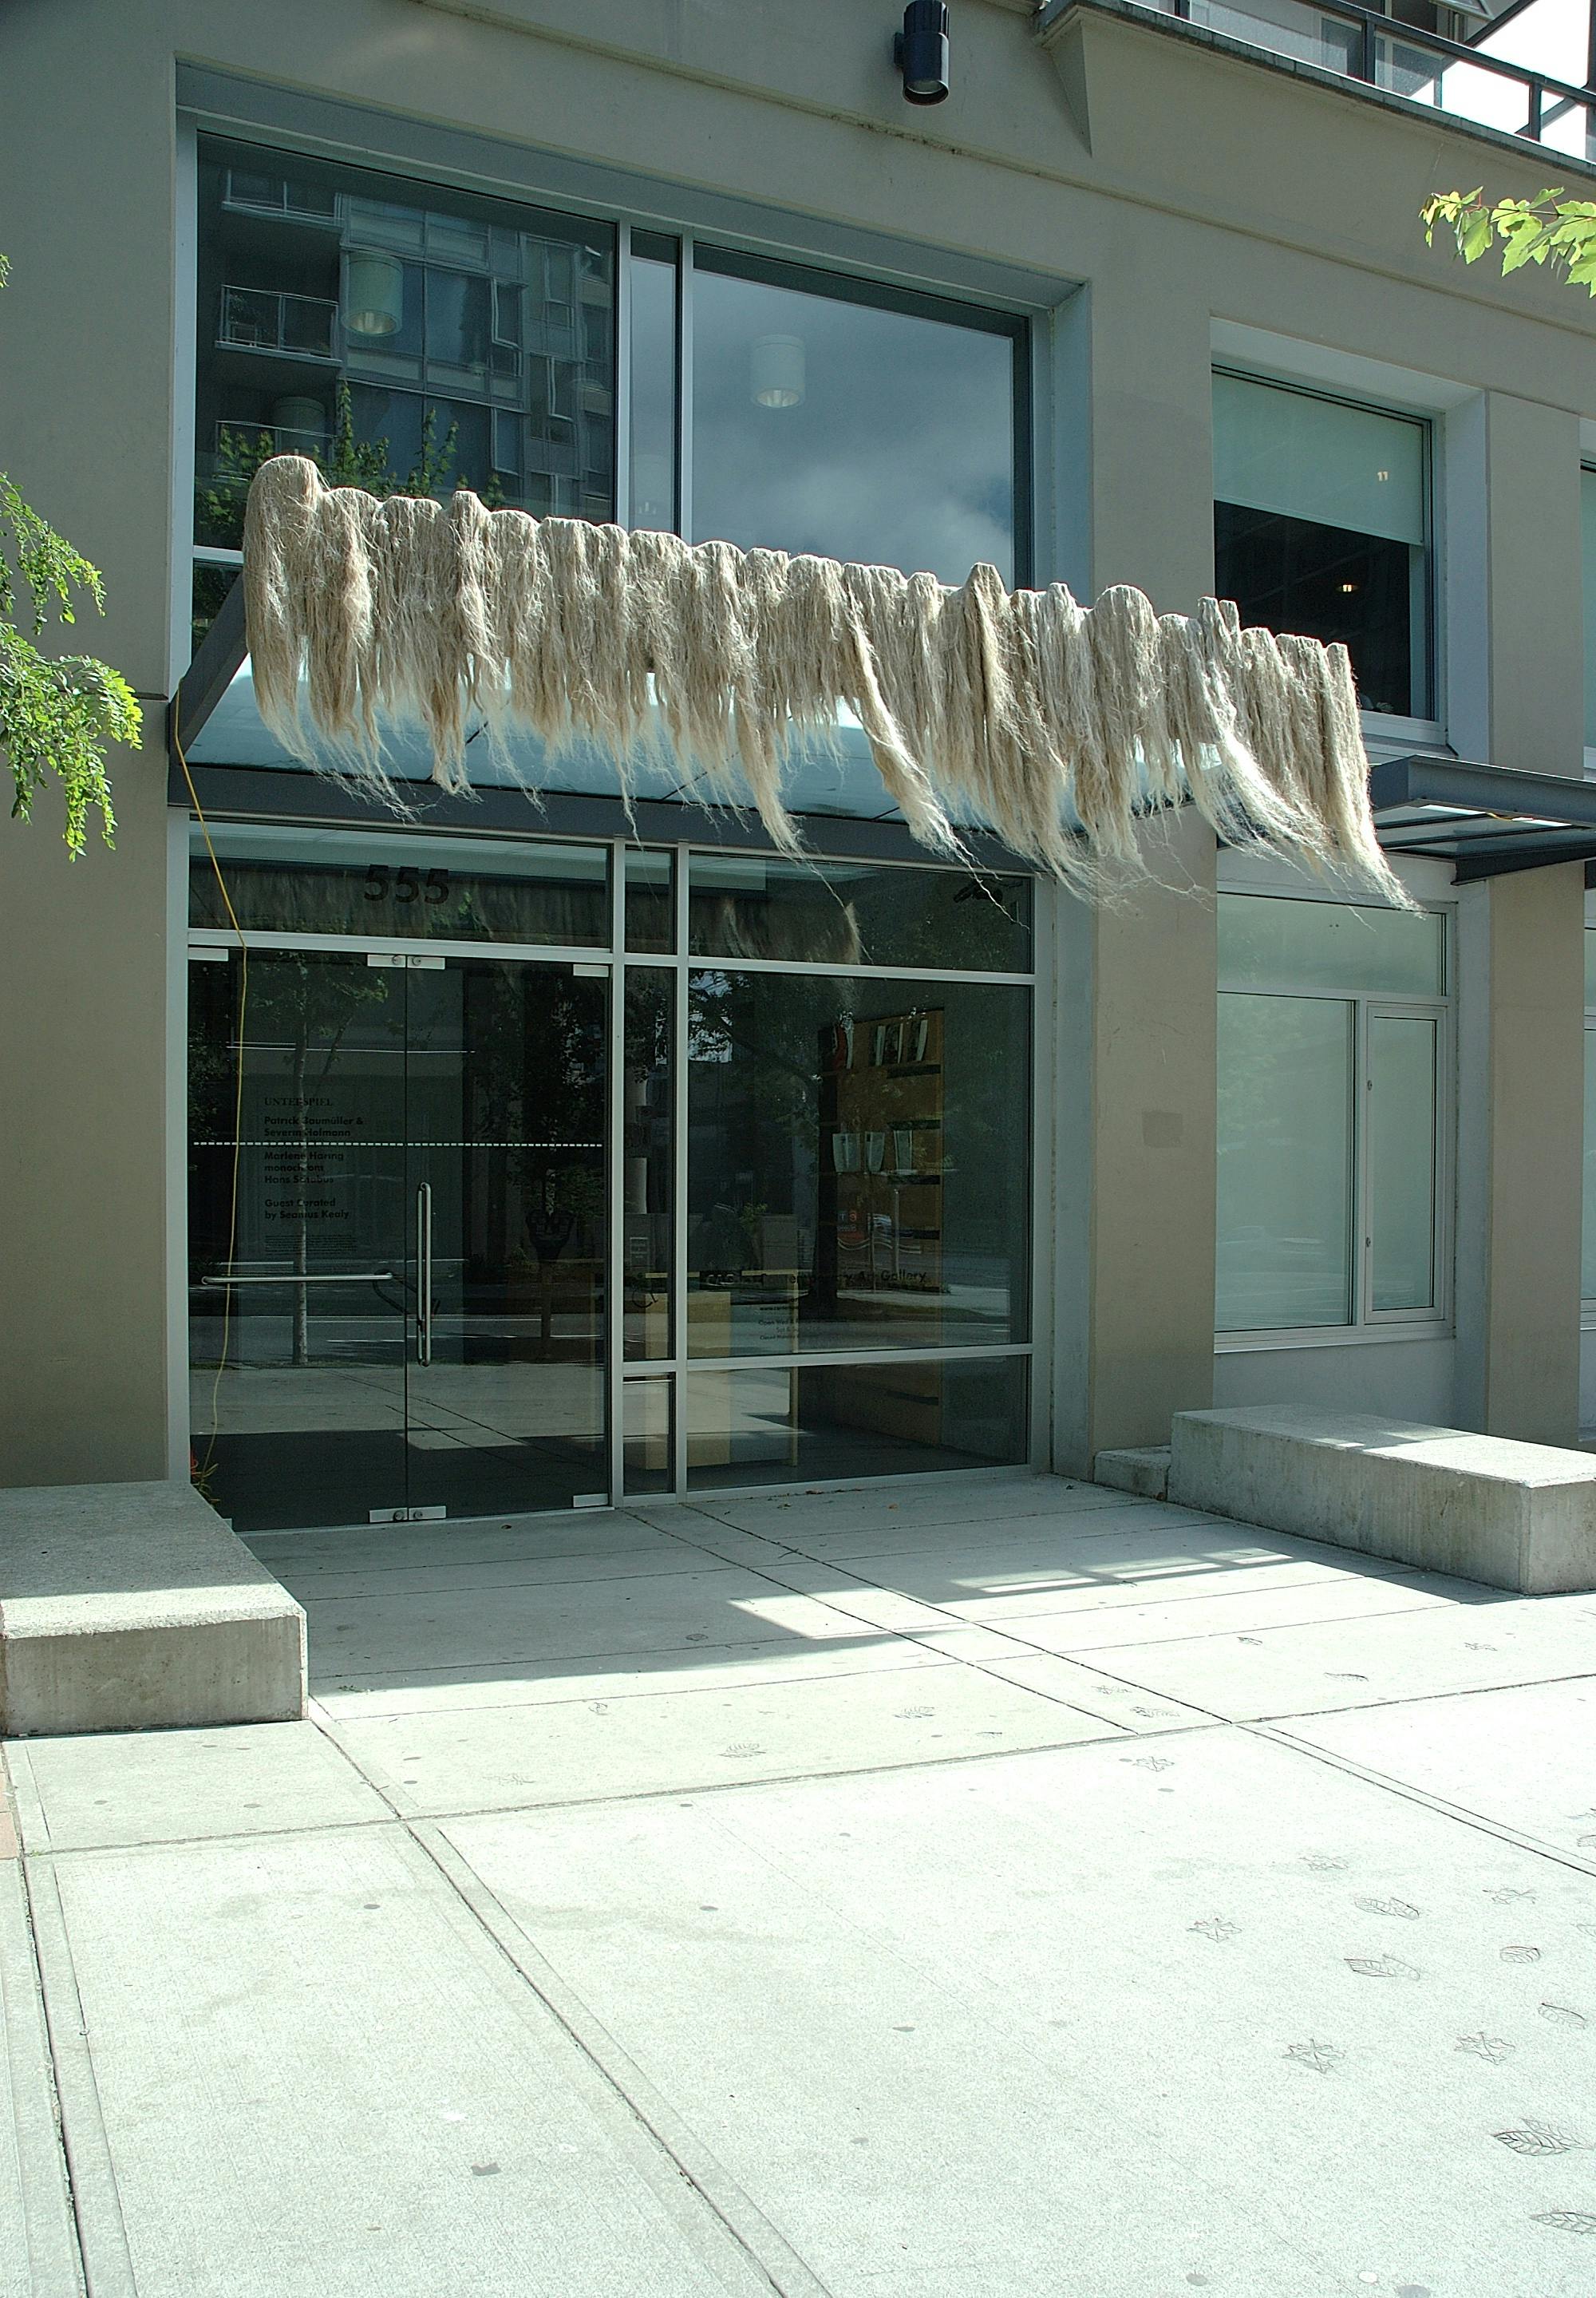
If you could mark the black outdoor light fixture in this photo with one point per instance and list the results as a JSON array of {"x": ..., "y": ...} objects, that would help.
[{"x": 920, "y": 52}]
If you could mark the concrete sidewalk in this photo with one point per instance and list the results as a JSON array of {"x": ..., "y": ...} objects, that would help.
[{"x": 991, "y": 1888}]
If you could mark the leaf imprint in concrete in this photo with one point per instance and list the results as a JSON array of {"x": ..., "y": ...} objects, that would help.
[
  {"x": 741, "y": 1748},
  {"x": 1570, "y": 2221},
  {"x": 1324, "y": 2058},
  {"x": 1491, "y": 2049},
  {"x": 913, "y": 1714},
  {"x": 1521, "y": 1954},
  {"x": 1506, "y": 1893},
  {"x": 1150, "y": 1763},
  {"x": 1216, "y": 1927},
  {"x": 1323, "y": 1862},
  {"x": 1561, "y": 2015},
  {"x": 1540, "y": 2138},
  {"x": 1409, "y": 1914},
  {"x": 1381, "y": 1966}
]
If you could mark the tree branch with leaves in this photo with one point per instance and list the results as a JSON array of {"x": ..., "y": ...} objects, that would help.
[
  {"x": 1556, "y": 233},
  {"x": 59, "y": 713}
]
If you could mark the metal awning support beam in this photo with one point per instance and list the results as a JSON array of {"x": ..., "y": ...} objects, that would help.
[{"x": 1486, "y": 821}]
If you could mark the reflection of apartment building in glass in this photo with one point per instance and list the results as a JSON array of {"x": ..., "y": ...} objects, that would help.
[
  {"x": 552, "y": 1154},
  {"x": 436, "y": 330}
]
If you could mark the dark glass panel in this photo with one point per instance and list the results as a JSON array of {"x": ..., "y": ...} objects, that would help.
[
  {"x": 844, "y": 914},
  {"x": 786, "y": 1423},
  {"x": 858, "y": 1163},
  {"x": 1328, "y": 582},
  {"x": 650, "y": 904},
  {"x": 646, "y": 1170},
  {"x": 391, "y": 885}
]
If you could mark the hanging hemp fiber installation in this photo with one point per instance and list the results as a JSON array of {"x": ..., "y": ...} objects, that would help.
[{"x": 1057, "y": 727}]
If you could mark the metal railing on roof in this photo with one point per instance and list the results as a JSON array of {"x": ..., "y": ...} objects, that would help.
[{"x": 1447, "y": 76}]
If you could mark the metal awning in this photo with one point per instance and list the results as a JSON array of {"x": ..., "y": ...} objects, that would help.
[{"x": 1485, "y": 820}]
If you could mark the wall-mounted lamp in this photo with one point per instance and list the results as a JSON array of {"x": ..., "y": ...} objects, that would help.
[
  {"x": 920, "y": 52},
  {"x": 775, "y": 371},
  {"x": 376, "y": 295}
]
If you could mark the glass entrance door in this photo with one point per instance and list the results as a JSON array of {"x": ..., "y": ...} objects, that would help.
[
  {"x": 504, "y": 1382},
  {"x": 397, "y": 1235}
]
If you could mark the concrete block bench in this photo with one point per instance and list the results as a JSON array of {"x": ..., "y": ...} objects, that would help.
[
  {"x": 127, "y": 1606},
  {"x": 1485, "y": 1507}
]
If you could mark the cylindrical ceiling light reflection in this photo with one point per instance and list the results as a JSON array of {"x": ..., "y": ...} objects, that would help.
[
  {"x": 376, "y": 302},
  {"x": 776, "y": 375},
  {"x": 298, "y": 419}
]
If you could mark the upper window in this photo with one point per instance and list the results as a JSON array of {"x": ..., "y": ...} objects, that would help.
[
  {"x": 1320, "y": 519},
  {"x": 1334, "y": 1115},
  {"x": 412, "y": 339},
  {"x": 405, "y": 337},
  {"x": 881, "y": 428}
]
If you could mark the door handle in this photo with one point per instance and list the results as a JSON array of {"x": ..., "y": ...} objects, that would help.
[
  {"x": 424, "y": 1274},
  {"x": 339, "y": 1277}
]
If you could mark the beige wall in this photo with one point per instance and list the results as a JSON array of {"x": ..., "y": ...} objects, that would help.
[{"x": 1178, "y": 186}]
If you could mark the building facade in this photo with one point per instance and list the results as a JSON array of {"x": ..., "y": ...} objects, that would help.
[{"x": 476, "y": 1157}]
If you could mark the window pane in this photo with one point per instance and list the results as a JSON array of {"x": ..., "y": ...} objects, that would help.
[
  {"x": 646, "y": 1445},
  {"x": 1320, "y": 527},
  {"x": 653, "y": 393},
  {"x": 464, "y": 341},
  {"x": 849, "y": 430},
  {"x": 1588, "y": 1258},
  {"x": 1402, "y": 1050},
  {"x": 858, "y": 1163},
  {"x": 1284, "y": 1163},
  {"x": 1318, "y": 459},
  {"x": 844, "y": 914},
  {"x": 1269, "y": 944},
  {"x": 650, "y": 904},
  {"x": 784, "y": 1423},
  {"x": 646, "y": 1161},
  {"x": 288, "y": 880}
]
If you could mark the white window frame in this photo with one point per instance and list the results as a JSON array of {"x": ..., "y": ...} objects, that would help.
[{"x": 1367, "y": 1323}]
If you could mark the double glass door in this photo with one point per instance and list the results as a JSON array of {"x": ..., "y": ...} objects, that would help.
[{"x": 398, "y": 1236}]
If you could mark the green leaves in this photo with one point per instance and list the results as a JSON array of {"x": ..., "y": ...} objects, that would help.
[
  {"x": 347, "y": 461},
  {"x": 58, "y": 714},
  {"x": 1547, "y": 230}
]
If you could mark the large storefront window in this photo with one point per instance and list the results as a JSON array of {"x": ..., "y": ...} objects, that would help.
[
  {"x": 488, "y": 1215},
  {"x": 1322, "y": 526},
  {"x": 1333, "y": 1116},
  {"x": 412, "y": 338}
]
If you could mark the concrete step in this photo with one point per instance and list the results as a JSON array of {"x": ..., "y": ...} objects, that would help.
[
  {"x": 1142, "y": 1470},
  {"x": 1516, "y": 1515},
  {"x": 130, "y": 1606}
]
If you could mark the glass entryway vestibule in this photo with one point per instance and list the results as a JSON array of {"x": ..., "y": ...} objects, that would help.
[{"x": 527, "y": 1175}]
